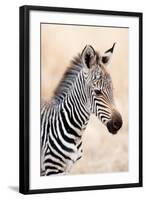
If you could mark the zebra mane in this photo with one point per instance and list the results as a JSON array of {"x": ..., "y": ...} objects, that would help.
[{"x": 68, "y": 78}]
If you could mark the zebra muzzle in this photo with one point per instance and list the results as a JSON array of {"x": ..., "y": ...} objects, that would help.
[{"x": 115, "y": 123}]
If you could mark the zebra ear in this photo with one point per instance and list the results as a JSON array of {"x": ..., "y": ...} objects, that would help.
[
  {"x": 107, "y": 55},
  {"x": 88, "y": 56}
]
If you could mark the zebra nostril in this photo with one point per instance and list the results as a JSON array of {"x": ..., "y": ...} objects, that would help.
[
  {"x": 110, "y": 127},
  {"x": 116, "y": 125}
]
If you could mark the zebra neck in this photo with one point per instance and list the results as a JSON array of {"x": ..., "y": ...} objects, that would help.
[{"x": 74, "y": 106}]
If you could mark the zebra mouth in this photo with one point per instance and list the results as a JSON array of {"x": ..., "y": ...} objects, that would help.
[{"x": 113, "y": 131}]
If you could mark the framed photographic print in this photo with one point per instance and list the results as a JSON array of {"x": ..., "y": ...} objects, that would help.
[{"x": 80, "y": 99}]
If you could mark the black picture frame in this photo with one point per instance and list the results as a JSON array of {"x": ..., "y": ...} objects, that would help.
[{"x": 25, "y": 105}]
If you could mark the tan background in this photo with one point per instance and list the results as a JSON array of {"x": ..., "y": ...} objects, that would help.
[{"x": 103, "y": 152}]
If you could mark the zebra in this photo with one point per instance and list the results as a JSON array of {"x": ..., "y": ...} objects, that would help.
[{"x": 86, "y": 88}]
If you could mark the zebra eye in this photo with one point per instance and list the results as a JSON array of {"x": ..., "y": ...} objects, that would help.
[{"x": 97, "y": 92}]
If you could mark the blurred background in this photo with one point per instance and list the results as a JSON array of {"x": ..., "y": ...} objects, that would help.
[{"x": 102, "y": 151}]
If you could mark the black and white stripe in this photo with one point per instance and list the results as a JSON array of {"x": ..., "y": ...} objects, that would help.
[{"x": 66, "y": 116}]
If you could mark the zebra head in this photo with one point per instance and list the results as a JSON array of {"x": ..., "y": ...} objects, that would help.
[{"x": 100, "y": 87}]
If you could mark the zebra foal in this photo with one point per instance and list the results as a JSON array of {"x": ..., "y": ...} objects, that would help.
[{"x": 86, "y": 88}]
